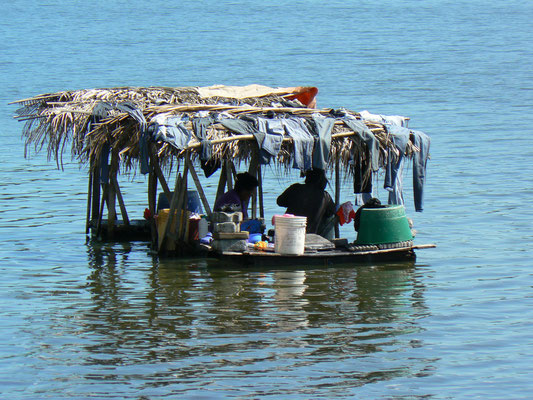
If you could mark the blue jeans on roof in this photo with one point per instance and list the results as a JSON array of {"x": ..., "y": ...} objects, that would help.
[
  {"x": 324, "y": 126},
  {"x": 171, "y": 129},
  {"x": 200, "y": 125},
  {"x": 248, "y": 126},
  {"x": 138, "y": 116},
  {"x": 367, "y": 136},
  {"x": 273, "y": 136},
  {"x": 303, "y": 142}
]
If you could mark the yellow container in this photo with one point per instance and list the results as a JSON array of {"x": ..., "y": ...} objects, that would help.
[{"x": 162, "y": 218}]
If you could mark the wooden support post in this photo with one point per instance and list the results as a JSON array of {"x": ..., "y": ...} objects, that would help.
[
  {"x": 157, "y": 170},
  {"x": 89, "y": 201},
  {"x": 252, "y": 170},
  {"x": 168, "y": 222},
  {"x": 121, "y": 204},
  {"x": 229, "y": 174},
  {"x": 183, "y": 219},
  {"x": 152, "y": 191},
  {"x": 337, "y": 194},
  {"x": 260, "y": 192},
  {"x": 222, "y": 181},
  {"x": 101, "y": 209},
  {"x": 95, "y": 215},
  {"x": 176, "y": 206},
  {"x": 112, "y": 192},
  {"x": 200, "y": 189}
]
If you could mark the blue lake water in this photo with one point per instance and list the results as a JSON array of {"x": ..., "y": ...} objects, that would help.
[{"x": 109, "y": 321}]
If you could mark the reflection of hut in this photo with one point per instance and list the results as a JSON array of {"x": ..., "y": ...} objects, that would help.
[{"x": 157, "y": 129}]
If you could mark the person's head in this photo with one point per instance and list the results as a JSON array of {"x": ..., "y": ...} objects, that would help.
[
  {"x": 245, "y": 184},
  {"x": 316, "y": 177}
]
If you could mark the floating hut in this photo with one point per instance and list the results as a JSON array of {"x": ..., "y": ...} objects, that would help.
[{"x": 188, "y": 131}]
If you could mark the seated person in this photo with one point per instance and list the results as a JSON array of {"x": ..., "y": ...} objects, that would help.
[
  {"x": 372, "y": 203},
  {"x": 312, "y": 201},
  {"x": 237, "y": 198}
]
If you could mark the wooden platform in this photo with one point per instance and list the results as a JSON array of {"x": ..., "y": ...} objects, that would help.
[{"x": 325, "y": 257}]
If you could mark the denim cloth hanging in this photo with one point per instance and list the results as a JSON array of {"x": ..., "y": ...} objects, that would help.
[
  {"x": 138, "y": 116},
  {"x": 324, "y": 127},
  {"x": 422, "y": 142},
  {"x": 248, "y": 126},
  {"x": 274, "y": 136},
  {"x": 396, "y": 190},
  {"x": 362, "y": 175},
  {"x": 393, "y": 170},
  {"x": 303, "y": 140},
  {"x": 170, "y": 129},
  {"x": 199, "y": 126},
  {"x": 367, "y": 136}
]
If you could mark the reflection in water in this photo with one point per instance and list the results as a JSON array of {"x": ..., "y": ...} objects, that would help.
[{"x": 189, "y": 320}]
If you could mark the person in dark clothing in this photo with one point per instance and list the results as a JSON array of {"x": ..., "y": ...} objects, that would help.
[
  {"x": 237, "y": 198},
  {"x": 312, "y": 201},
  {"x": 372, "y": 203}
]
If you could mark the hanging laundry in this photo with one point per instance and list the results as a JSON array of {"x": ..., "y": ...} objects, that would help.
[
  {"x": 304, "y": 141},
  {"x": 138, "y": 116},
  {"x": 394, "y": 167},
  {"x": 324, "y": 127},
  {"x": 170, "y": 128},
  {"x": 422, "y": 142},
  {"x": 366, "y": 136}
]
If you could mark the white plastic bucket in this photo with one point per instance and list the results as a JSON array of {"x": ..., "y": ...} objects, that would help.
[{"x": 290, "y": 235}]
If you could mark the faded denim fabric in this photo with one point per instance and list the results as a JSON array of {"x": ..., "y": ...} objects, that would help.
[
  {"x": 396, "y": 190},
  {"x": 274, "y": 136},
  {"x": 367, "y": 136},
  {"x": 394, "y": 167},
  {"x": 248, "y": 126},
  {"x": 422, "y": 141},
  {"x": 324, "y": 126},
  {"x": 303, "y": 142},
  {"x": 171, "y": 129},
  {"x": 138, "y": 116},
  {"x": 199, "y": 125}
]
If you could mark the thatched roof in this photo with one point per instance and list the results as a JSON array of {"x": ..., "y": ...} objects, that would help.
[{"x": 88, "y": 120}]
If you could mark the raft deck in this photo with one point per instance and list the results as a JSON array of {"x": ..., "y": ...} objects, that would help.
[{"x": 324, "y": 257}]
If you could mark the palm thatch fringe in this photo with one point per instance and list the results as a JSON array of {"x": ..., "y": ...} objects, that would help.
[{"x": 55, "y": 120}]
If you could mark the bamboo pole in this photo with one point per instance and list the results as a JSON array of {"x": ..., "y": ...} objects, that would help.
[
  {"x": 200, "y": 189},
  {"x": 96, "y": 191},
  {"x": 183, "y": 220},
  {"x": 111, "y": 208},
  {"x": 176, "y": 205},
  {"x": 101, "y": 210},
  {"x": 229, "y": 174},
  {"x": 337, "y": 194},
  {"x": 173, "y": 203},
  {"x": 252, "y": 170},
  {"x": 120, "y": 199},
  {"x": 221, "y": 182},
  {"x": 260, "y": 189},
  {"x": 89, "y": 201},
  {"x": 152, "y": 191},
  {"x": 161, "y": 178}
]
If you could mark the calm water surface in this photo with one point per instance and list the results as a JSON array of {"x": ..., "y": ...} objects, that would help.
[{"x": 84, "y": 320}]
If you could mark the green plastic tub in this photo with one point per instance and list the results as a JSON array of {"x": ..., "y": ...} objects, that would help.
[{"x": 383, "y": 225}]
